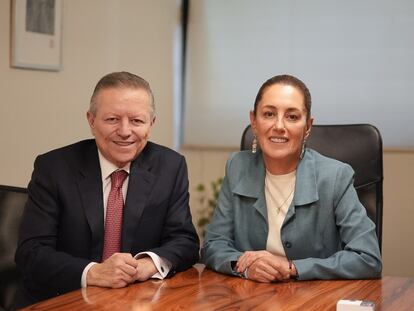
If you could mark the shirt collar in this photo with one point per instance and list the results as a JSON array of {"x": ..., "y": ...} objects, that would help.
[{"x": 107, "y": 167}]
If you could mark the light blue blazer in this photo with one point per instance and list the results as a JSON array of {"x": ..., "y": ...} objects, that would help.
[{"x": 326, "y": 232}]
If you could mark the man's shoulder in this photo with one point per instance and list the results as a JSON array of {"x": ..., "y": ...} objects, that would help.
[
  {"x": 158, "y": 158},
  {"x": 65, "y": 161},
  {"x": 77, "y": 149},
  {"x": 79, "y": 146},
  {"x": 155, "y": 150}
]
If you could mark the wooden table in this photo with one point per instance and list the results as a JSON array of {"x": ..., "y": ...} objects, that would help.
[{"x": 201, "y": 289}]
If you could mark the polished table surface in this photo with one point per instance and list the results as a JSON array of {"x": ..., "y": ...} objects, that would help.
[{"x": 202, "y": 289}]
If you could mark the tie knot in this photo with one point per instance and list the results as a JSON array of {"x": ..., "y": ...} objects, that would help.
[{"x": 117, "y": 178}]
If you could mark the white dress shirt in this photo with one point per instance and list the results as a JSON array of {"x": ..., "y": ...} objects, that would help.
[{"x": 107, "y": 168}]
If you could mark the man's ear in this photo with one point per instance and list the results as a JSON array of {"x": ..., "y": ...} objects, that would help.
[{"x": 91, "y": 119}]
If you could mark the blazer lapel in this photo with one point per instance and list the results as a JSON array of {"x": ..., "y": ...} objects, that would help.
[
  {"x": 90, "y": 189},
  {"x": 141, "y": 181},
  {"x": 252, "y": 185},
  {"x": 306, "y": 191}
]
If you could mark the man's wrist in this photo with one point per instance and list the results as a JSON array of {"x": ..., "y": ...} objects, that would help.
[
  {"x": 162, "y": 265},
  {"x": 84, "y": 278}
]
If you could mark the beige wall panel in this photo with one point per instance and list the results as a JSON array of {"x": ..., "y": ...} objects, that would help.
[
  {"x": 398, "y": 224},
  {"x": 42, "y": 110}
]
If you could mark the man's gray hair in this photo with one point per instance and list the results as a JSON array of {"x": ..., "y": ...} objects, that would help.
[{"x": 122, "y": 79}]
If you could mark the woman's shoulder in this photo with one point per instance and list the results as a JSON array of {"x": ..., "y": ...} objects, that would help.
[
  {"x": 244, "y": 155},
  {"x": 244, "y": 163},
  {"x": 327, "y": 164},
  {"x": 243, "y": 158}
]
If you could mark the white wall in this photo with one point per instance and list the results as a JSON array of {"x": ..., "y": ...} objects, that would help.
[
  {"x": 355, "y": 57},
  {"x": 43, "y": 110}
]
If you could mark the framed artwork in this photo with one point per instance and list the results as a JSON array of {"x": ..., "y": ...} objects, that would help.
[{"x": 36, "y": 34}]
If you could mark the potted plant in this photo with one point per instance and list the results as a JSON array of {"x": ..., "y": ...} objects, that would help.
[{"x": 208, "y": 202}]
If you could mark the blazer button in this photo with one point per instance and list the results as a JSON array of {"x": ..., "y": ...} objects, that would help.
[{"x": 288, "y": 244}]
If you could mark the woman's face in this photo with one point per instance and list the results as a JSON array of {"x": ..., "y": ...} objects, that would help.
[{"x": 281, "y": 125}]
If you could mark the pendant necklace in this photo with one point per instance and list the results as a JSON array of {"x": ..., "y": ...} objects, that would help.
[
  {"x": 279, "y": 207},
  {"x": 284, "y": 202}
]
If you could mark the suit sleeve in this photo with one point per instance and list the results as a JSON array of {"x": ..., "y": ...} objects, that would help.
[
  {"x": 360, "y": 256},
  {"x": 46, "y": 270},
  {"x": 179, "y": 240}
]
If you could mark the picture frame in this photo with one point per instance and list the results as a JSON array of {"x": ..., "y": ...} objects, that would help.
[{"x": 36, "y": 34}]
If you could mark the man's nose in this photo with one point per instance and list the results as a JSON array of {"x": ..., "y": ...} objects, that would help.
[{"x": 124, "y": 129}]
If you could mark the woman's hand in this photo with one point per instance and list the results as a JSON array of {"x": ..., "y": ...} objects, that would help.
[
  {"x": 269, "y": 269},
  {"x": 263, "y": 266},
  {"x": 248, "y": 258}
]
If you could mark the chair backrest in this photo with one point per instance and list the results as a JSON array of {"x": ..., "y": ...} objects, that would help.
[
  {"x": 359, "y": 145},
  {"x": 12, "y": 202}
]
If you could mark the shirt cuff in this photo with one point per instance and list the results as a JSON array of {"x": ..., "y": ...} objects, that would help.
[
  {"x": 233, "y": 264},
  {"x": 163, "y": 265},
  {"x": 85, "y": 272}
]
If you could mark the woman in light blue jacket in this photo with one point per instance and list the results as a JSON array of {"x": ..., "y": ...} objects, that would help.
[{"x": 285, "y": 211}]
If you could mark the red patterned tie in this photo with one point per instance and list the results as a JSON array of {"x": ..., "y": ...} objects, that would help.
[{"x": 113, "y": 220}]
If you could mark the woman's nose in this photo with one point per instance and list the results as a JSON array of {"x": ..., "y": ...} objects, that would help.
[{"x": 279, "y": 124}]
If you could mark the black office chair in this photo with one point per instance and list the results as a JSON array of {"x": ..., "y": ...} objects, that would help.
[
  {"x": 359, "y": 145},
  {"x": 12, "y": 202}
]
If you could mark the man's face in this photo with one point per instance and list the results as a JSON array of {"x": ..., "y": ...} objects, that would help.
[{"x": 122, "y": 123}]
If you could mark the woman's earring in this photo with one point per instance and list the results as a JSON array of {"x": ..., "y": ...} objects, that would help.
[
  {"x": 254, "y": 144},
  {"x": 302, "y": 152}
]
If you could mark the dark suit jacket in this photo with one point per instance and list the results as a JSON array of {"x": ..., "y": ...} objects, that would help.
[{"x": 63, "y": 222}]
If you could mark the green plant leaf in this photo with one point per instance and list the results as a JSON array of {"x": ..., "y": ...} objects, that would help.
[
  {"x": 200, "y": 188},
  {"x": 208, "y": 201}
]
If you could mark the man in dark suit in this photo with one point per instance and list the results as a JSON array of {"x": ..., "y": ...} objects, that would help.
[{"x": 66, "y": 241}]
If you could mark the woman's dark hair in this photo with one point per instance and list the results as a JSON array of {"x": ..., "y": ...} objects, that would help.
[{"x": 286, "y": 80}]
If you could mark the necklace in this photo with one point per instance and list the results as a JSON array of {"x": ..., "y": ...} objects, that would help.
[
  {"x": 280, "y": 193},
  {"x": 287, "y": 198}
]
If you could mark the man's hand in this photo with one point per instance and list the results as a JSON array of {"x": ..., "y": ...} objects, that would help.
[
  {"x": 145, "y": 269},
  {"x": 117, "y": 271}
]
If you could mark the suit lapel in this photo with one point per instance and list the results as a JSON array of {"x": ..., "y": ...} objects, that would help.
[
  {"x": 90, "y": 189},
  {"x": 141, "y": 182}
]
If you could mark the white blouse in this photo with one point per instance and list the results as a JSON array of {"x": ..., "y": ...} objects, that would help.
[{"x": 279, "y": 191}]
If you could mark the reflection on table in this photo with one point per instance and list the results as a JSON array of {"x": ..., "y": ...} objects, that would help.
[{"x": 202, "y": 289}]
